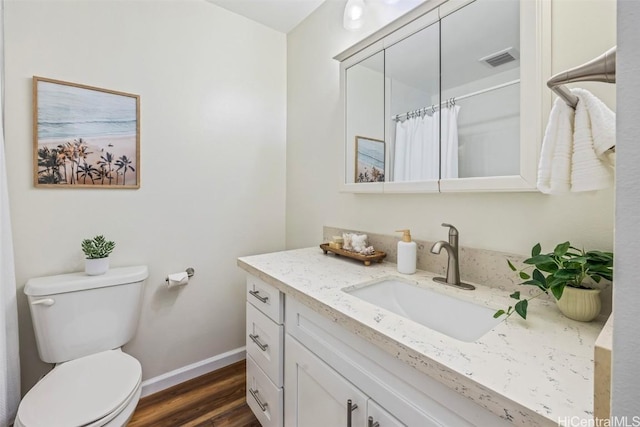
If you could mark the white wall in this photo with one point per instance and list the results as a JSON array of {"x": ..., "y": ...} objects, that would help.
[
  {"x": 213, "y": 105},
  {"x": 625, "y": 390},
  {"x": 510, "y": 222}
]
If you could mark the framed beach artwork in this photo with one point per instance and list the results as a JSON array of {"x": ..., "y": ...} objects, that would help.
[
  {"x": 84, "y": 136},
  {"x": 369, "y": 160}
]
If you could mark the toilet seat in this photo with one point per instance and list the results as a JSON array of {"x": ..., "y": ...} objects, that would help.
[{"x": 89, "y": 392}]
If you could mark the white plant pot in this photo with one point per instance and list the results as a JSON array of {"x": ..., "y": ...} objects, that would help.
[
  {"x": 580, "y": 304},
  {"x": 96, "y": 266}
]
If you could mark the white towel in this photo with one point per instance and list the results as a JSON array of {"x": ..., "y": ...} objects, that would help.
[{"x": 575, "y": 143}]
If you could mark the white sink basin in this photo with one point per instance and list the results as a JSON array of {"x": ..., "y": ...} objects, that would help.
[{"x": 456, "y": 318}]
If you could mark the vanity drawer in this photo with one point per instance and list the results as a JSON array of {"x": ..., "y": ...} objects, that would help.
[
  {"x": 265, "y": 340},
  {"x": 263, "y": 397},
  {"x": 266, "y": 298}
]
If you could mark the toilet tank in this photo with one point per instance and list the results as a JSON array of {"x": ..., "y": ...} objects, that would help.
[{"x": 75, "y": 315}]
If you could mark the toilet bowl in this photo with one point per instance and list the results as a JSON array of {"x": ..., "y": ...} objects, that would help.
[
  {"x": 102, "y": 389},
  {"x": 80, "y": 323}
]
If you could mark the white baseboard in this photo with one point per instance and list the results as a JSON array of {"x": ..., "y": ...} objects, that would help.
[{"x": 186, "y": 373}]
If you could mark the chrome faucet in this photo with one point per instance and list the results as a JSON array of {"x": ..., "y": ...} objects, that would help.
[{"x": 453, "y": 268}]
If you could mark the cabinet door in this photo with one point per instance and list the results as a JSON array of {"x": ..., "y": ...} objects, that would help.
[
  {"x": 316, "y": 394},
  {"x": 376, "y": 414}
]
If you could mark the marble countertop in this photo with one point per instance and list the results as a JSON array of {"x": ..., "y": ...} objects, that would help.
[{"x": 535, "y": 372}]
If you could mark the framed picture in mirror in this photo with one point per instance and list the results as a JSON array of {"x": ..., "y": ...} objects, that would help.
[{"x": 369, "y": 160}]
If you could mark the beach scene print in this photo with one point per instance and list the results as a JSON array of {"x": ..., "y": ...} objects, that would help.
[
  {"x": 85, "y": 136},
  {"x": 369, "y": 160}
]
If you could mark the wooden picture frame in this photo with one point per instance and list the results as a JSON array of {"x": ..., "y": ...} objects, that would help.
[
  {"x": 370, "y": 159},
  {"x": 84, "y": 136}
]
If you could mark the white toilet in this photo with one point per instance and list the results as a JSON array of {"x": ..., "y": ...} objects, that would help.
[{"x": 80, "y": 323}]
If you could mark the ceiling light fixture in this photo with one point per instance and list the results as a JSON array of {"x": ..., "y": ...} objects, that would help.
[{"x": 353, "y": 14}]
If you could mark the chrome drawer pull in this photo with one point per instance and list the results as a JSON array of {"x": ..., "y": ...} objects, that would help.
[
  {"x": 254, "y": 393},
  {"x": 257, "y": 295},
  {"x": 350, "y": 408},
  {"x": 255, "y": 339},
  {"x": 372, "y": 424}
]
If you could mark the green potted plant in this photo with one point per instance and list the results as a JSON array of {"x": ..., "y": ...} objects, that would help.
[
  {"x": 565, "y": 273},
  {"x": 96, "y": 253}
]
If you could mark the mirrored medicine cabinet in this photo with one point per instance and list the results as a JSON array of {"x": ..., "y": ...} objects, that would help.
[{"x": 449, "y": 97}]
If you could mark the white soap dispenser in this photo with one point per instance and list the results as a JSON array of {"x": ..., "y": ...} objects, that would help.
[{"x": 407, "y": 251}]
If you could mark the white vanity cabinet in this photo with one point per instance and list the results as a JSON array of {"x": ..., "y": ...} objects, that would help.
[
  {"x": 326, "y": 365},
  {"x": 318, "y": 396},
  {"x": 265, "y": 346},
  {"x": 303, "y": 368}
]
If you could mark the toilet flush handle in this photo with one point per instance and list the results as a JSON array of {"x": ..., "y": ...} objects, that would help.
[{"x": 46, "y": 301}]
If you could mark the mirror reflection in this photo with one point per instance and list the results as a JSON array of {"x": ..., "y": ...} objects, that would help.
[
  {"x": 442, "y": 103},
  {"x": 412, "y": 72},
  {"x": 481, "y": 74},
  {"x": 365, "y": 120}
]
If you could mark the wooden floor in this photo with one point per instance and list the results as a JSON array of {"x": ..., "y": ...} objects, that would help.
[{"x": 216, "y": 399}]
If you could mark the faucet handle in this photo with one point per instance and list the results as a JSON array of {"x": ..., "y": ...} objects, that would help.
[{"x": 452, "y": 230}]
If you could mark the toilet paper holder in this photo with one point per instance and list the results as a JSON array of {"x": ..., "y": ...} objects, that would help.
[{"x": 190, "y": 272}]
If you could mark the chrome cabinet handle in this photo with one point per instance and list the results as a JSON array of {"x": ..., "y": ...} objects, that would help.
[
  {"x": 370, "y": 423},
  {"x": 262, "y": 406},
  {"x": 350, "y": 408},
  {"x": 257, "y": 295},
  {"x": 46, "y": 301},
  {"x": 255, "y": 339}
]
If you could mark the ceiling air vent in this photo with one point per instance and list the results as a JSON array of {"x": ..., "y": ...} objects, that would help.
[{"x": 501, "y": 57}]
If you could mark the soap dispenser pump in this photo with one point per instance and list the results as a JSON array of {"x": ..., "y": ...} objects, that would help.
[{"x": 407, "y": 251}]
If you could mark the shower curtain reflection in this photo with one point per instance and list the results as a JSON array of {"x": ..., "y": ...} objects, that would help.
[{"x": 418, "y": 145}]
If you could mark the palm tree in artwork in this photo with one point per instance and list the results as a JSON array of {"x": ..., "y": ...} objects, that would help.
[
  {"x": 81, "y": 154},
  {"x": 48, "y": 159},
  {"x": 102, "y": 173},
  {"x": 124, "y": 164},
  {"x": 67, "y": 151},
  {"x": 62, "y": 160},
  {"x": 105, "y": 163},
  {"x": 86, "y": 170}
]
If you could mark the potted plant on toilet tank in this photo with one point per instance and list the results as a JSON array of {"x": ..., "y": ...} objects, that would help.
[
  {"x": 568, "y": 273},
  {"x": 97, "y": 252}
]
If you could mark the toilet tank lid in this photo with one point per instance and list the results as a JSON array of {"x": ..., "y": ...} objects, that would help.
[{"x": 79, "y": 281}]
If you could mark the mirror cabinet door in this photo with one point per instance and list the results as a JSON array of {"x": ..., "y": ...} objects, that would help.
[
  {"x": 364, "y": 111},
  {"x": 481, "y": 84},
  {"x": 412, "y": 84},
  {"x": 435, "y": 103}
]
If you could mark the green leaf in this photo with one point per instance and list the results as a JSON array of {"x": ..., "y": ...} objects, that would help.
[
  {"x": 537, "y": 284},
  {"x": 515, "y": 295},
  {"x": 535, "y": 251},
  {"x": 561, "y": 249},
  {"x": 558, "y": 290},
  {"x": 550, "y": 267},
  {"x": 524, "y": 276},
  {"x": 567, "y": 273},
  {"x": 539, "y": 277},
  {"x": 521, "y": 308},
  {"x": 539, "y": 259},
  {"x": 498, "y": 313},
  {"x": 511, "y": 266}
]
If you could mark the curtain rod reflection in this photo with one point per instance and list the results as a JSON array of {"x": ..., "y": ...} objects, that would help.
[{"x": 451, "y": 101}]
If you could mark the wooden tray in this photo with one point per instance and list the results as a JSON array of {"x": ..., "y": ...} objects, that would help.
[{"x": 377, "y": 256}]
